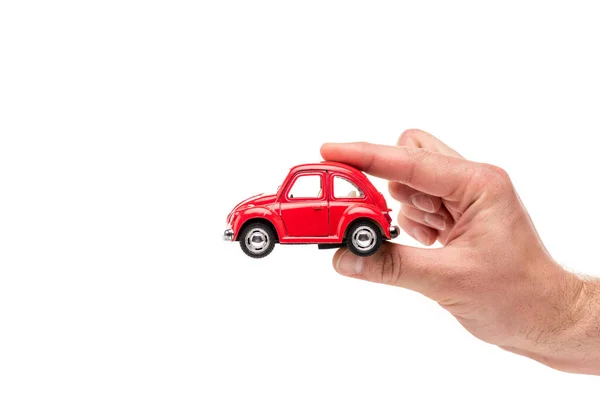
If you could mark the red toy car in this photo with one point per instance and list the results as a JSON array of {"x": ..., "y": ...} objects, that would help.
[{"x": 329, "y": 204}]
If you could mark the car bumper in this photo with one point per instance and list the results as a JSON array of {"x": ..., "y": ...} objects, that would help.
[
  {"x": 394, "y": 231},
  {"x": 228, "y": 235}
]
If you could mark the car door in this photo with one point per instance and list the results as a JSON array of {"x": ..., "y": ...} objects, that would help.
[
  {"x": 345, "y": 193},
  {"x": 304, "y": 206}
]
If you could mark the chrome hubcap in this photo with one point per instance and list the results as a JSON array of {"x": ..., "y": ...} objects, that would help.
[
  {"x": 257, "y": 240},
  {"x": 364, "y": 238}
]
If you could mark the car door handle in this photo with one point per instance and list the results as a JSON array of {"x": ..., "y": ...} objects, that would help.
[{"x": 318, "y": 208}]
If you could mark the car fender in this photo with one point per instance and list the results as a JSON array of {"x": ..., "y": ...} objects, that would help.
[
  {"x": 268, "y": 213},
  {"x": 362, "y": 210}
]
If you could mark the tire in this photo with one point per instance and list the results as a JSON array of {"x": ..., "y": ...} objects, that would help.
[
  {"x": 363, "y": 238},
  {"x": 257, "y": 240}
]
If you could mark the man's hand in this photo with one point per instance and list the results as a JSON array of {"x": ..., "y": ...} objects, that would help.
[{"x": 493, "y": 272}]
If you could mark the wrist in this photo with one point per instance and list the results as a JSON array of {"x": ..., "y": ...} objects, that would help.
[
  {"x": 582, "y": 343},
  {"x": 572, "y": 339}
]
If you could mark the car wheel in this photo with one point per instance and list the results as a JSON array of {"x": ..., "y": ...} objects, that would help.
[
  {"x": 364, "y": 238},
  {"x": 257, "y": 240}
]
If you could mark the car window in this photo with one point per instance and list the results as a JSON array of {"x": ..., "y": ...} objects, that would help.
[
  {"x": 306, "y": 187},
  {"x": 345, "y": 189}
]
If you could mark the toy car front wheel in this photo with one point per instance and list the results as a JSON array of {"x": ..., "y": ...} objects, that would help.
[
  {"x": 363, "y": 238},
  {"x": 257, "y": 240}
]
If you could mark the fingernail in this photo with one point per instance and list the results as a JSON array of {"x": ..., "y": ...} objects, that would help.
[
  {"x": 349, "y": 264},
  {"x": 435, "y": 221},
  {"x": 422, "y": 202},
  {"x": 422, "y": 236}
]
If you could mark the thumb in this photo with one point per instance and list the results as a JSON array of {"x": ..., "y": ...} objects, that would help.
[{"x": 394, "y": 264}]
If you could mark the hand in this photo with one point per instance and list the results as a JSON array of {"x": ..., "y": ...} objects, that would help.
[{"x": 492, "y": 273}]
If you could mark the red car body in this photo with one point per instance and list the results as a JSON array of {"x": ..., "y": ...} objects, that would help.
[{"x": 321, "y": 218}]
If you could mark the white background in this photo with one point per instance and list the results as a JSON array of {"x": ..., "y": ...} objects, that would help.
[{"x": 128, "y": 130}]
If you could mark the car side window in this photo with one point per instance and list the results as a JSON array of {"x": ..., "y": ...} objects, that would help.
[
  {"x": 307, "y": 187},
  {"x": 345, "y": 189}
]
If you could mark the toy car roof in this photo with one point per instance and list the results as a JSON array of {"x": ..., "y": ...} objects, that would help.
[{"x": 328, "y": 166}]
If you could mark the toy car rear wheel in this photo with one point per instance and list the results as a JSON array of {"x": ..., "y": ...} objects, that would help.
[
  {"x": 364, "y": 238},
  {"x": 257, "y": 240}
]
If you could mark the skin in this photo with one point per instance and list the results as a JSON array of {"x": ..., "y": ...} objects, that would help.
[{"x": 493, "y": 273}]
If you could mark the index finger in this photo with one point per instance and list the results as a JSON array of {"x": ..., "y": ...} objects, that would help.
[{"x": 432, "y": 173}]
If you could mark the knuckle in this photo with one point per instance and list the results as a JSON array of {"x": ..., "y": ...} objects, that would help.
[
  {"x": 495, "y": 173},
  {"x": 409, "y": 137},
  {"x": 494, "y": 178}
]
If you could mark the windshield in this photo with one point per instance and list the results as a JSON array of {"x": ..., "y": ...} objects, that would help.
[{"x": 281, "y": 182}]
